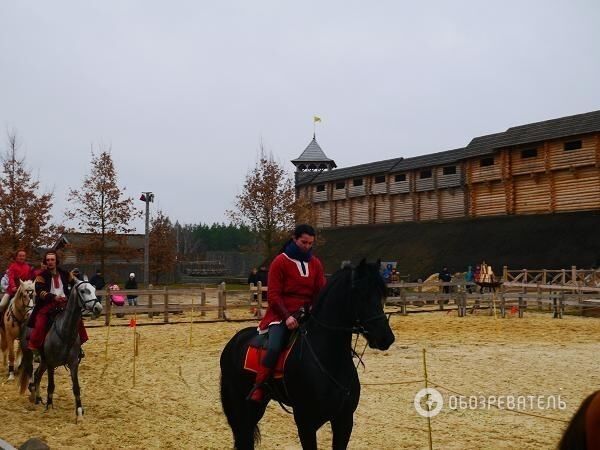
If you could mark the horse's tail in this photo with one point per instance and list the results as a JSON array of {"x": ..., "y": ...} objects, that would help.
[
  {"x": 25, "y": 370},
  {"x": 232, "y": 413}
]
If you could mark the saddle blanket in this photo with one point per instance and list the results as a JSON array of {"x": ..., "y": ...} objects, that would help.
[{"x": 255, "y": 354}]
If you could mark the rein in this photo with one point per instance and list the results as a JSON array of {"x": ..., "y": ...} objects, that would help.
[
  {"x": 82, "y": 307},
  {"x": 26, "y": 307}
]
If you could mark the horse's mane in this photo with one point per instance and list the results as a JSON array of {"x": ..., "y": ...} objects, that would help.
[{"x": 335, "y": 286}]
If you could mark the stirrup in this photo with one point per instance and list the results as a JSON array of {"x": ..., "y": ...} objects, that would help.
[{"x": 81, "y": 353}]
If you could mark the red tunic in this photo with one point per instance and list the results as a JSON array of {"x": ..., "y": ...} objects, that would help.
[
  {"x": 290, "y": 288},
  {"x": 17, "y": 271}
]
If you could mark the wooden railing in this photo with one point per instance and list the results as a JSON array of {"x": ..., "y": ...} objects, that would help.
[{"x": 156, "y": 302}]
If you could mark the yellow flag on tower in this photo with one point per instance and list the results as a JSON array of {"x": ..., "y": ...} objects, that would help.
[{"x": 316, "y": 119}]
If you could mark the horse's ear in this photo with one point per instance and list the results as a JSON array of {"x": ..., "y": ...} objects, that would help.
[{"x": 21, "y": 282}]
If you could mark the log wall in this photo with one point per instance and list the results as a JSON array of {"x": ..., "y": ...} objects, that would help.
[{"x": 556, "y": 179}]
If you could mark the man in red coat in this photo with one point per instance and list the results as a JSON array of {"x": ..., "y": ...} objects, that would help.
[
  {"x": 18, "y": 270},
  {"x": 295, "y": 279},
  {"x": 52, "y": 288}
]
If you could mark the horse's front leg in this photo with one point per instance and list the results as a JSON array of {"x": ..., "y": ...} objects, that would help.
[
  {"x": 76, "y": 390},
  {"x": 11, "y": 355},
  {"x": 37, "y": 378},
  {"x": 341, "y": 428},
  {"x": 51, "y": 387}
]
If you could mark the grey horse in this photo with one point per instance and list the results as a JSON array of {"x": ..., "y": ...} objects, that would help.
[{"x": 61, "y": 347}]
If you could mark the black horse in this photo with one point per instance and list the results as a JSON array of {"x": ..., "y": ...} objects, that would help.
[{"x": 320, "y": 380}]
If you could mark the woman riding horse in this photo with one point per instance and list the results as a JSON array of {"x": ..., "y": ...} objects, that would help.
[
  {"x": 295, "y": 279},
  {"x": 18, "y": 271}
]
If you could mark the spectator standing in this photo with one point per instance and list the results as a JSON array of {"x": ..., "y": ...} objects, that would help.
[
  {"x": 98, "y": 282},
  {"x": 446, "y": 277},
  {"x": 253, "y": 277},
  {"x": 131, "y": 283},
  {"x": 469, "y": 279}
]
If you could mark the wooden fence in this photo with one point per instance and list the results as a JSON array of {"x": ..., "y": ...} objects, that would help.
[
  {"x": 522, "y": 288},
  {"x": 157, "y": 302},
  {"x": 511, "y": 296},
  {"x": 565, "y": 277}
]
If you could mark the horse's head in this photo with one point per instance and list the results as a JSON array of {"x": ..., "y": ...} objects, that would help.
[
  {"x": 27, "y": 290},
  {"x": 368, "y": 293},
  {"x": 86, "y": 295}
]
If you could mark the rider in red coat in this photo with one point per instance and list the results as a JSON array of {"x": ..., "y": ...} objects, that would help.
[
  {"x": 52, "y": 288},
  {"x": 295, "y": 279},
  {"x": 18, "y": 270}
]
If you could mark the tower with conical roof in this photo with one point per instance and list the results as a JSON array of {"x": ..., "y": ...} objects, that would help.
[{"x": 313, "y": 159}]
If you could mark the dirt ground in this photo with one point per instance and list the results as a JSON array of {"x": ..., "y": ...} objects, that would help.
[{"x": 175, "y": 400}]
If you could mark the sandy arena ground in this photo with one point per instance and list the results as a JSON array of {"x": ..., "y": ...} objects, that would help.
[{"x": 175, "y": 400}]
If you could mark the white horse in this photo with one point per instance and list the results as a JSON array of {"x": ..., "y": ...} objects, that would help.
[{"x": 14, "y": 318}]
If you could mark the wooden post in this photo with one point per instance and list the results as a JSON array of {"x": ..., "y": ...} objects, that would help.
[
  {"x": 561, "y": 305},
  {"x": 403, "y": 308},
  {"x": 544, "y": 282},
  {"x": 150, "y": 313},
  {"x": 525, "y": 281},
  {"x": 166, "y": 305},
  {"x": 203, "y": 300},
  {"x": 505, "y": 273},
  {"x": 574, "y": 278},
  {"x": 221, "y": 301},
  {"x": 107, "y": 311},
  {"x": 502, "y": 302},
  {"x": 259, "y": 300},
  {"x": 520, "y": 307},
  {"x": 251, "y": 297}
]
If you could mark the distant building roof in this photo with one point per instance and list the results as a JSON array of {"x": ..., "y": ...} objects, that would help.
[
  {"x": 313, "y": 153},
  {"x": 79, "y": 239},
  {"x": 479, "y": 146}
]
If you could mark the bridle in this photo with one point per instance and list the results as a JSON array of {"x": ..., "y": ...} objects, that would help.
[
  {"x": 30, "y": 296},
  {"x": 83, "y": 304},
  {"x": 358, "y": 326}
]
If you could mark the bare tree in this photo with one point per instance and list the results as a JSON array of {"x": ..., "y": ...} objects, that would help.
[
  {"x": 268, "y": 204},
  {"x": 102, "y": 210},
  {"x": 24, "y": 211}
]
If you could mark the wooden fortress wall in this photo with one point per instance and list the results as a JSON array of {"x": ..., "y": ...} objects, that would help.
[{"x": 561, "y": 175}]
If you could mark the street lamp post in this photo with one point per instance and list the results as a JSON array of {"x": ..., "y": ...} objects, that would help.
[{"x": 147, "y": 197}]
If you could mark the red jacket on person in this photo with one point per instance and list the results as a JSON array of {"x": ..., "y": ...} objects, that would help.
[
  {"x": 18, "y": 271},
  {"x": 290, "y": 288}
]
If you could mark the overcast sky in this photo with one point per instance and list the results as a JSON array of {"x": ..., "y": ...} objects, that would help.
[{"x": 184, "y": 91}]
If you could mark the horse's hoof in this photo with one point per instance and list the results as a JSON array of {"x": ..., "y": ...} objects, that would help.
[
  {"x": 38, "y": 400},
  {"x": 11, "y": 377},
  {"x": 79, "y": 414}
]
